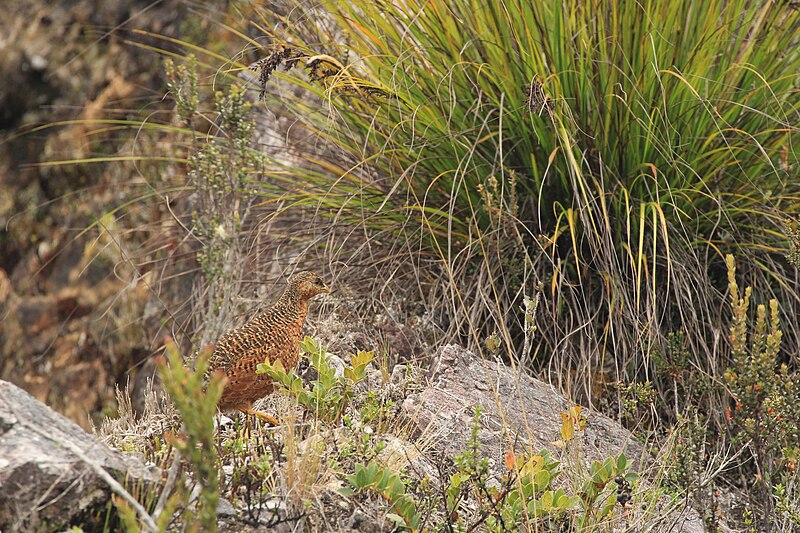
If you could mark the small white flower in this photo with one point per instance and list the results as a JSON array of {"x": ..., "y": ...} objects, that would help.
[{"x": 221, "y": 233}]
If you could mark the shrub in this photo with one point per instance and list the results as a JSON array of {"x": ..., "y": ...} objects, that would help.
[
  {"x": 197, "y": 403},
  {"x": 765, "y": 416},
  {"x": 330, "y": 394},
  {"x": 525, "y": 495}
]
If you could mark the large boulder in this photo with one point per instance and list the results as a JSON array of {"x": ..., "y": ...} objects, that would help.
[
  {"x": 44, "y": 484},
  {"x": 519, "y": 411}
]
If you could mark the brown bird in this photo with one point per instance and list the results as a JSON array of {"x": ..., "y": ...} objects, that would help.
[{"x": 272, "y": 335}]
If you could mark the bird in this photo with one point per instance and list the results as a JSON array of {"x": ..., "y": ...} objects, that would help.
[{"x": 273, "y": 335}]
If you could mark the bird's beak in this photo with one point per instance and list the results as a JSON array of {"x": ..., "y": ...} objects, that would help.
[{"x": 324, "y": 289}]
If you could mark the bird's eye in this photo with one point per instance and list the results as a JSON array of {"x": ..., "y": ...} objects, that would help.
[{"x": 318, "y": 281}]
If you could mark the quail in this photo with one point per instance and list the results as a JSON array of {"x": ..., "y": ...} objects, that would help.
[{"x": 273, "y": 335}]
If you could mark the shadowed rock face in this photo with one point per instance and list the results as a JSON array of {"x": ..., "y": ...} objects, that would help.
[{"x": 43, "y": 484}]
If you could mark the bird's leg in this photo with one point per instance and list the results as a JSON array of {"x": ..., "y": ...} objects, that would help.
[
  {"x": 271, "y": 420},
  {"x": 249, "y": 424}
]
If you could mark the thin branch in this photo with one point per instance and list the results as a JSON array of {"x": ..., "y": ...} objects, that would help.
[{"x": 172, "y": 475}]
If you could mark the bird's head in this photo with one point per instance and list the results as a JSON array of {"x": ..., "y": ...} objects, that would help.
[{"x": 306, "y": 285}]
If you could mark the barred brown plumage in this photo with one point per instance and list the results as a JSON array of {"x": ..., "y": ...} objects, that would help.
[{"x": 272, "y": 335}]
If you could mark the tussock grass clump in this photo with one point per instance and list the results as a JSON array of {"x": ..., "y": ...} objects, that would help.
[{"x": 611, "y": 155}]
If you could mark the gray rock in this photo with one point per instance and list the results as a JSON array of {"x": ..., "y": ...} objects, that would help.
[
  {"x": 226, "y": 509},
  {"x": 43, "y": 483},
  {"x": 403, "y": 456},
  {"x": 373, "y": 378},
  {"x": 399, "y": 373},
  {"x": 337, "y": 363},
  {"x": 518, "y": 411}
]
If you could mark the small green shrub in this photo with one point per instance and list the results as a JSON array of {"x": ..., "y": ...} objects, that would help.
[
  {"x": 525, "y": 495},
  {"x": 376, "y": 409},
  {"x": 330, "y": 394},
  {"x": 253, "y": 470},
  {"x": 688, "y": 471},
  {"x": 638, "y": 401},
  {"x": 765, "y": 416},
  {"x": 182, "y": 86},
  {"x": 389, "y": 485},
  {"x": 197, "y": 403}
]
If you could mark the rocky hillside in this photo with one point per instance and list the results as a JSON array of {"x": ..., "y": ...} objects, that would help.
[
  {"x": 419, "y": 429},
  {"x": 69, "y": 306}
]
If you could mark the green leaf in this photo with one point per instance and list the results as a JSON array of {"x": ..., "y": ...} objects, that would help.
[
  {"x": 564, "y": 502},
  {"x": 309, "y": 346},
  {"x": 406, "y": 506},
  {"x": 547, "y": 499},
  {"x": 527, "y": 487},
  {"x": 541, "y": 480},
  {"x": 398, "y": 520},
  {"x": 383, "y": 481},
  {"x": 457, "y": 479},
  {"x": 398, "y": 487},
  {"x": 326, "y": 376},
  {"x": 609, "y": 506},
  {"x": 296, "y": 385},
  {"x": 622, "y": 462},
  {"x": 372, "y": 469},
  {"x": 363, "y": 479},
  {"x": 535, "y": 508},
  {"x": 359, "y": 364}
]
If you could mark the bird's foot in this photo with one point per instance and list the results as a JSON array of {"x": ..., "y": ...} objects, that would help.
[{"x": 271, "y": 420}]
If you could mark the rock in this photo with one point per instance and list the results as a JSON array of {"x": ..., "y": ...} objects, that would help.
[
  {"x": 225, "y": 509},
  {"x": 337, "y": 363},
  {"x": 399, "y": 373},
  {"x": 373, "y": 379},
  {"x": 518, "y": 411},
  {"x": 402, "y": 456},
  {"x": 43, "y": 482}
]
